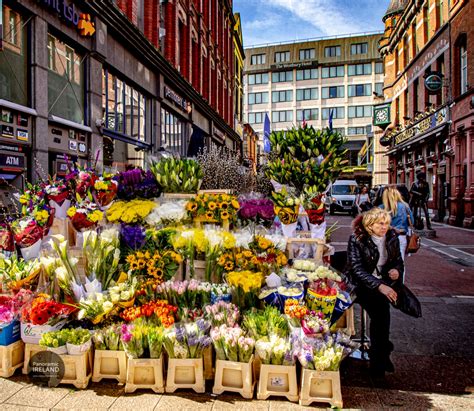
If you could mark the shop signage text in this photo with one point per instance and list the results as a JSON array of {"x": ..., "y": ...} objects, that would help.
[
  {"x": 12, "y": 160},
  {"x": 304, "y": 64},
  {"x": 434, "y": 83},
  {"x": 71, "y": 14},
  {"x": 176, "y": 99},
  {"x": 428, "y": 123}
]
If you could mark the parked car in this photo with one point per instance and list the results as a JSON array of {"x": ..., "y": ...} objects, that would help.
[{"x": 341, "y": 196}]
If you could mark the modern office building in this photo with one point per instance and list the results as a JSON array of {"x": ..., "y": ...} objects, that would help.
[{"x": 306, "y": 81}]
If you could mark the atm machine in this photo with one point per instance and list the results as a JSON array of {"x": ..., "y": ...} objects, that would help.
[{"x": 12, "y": 180}]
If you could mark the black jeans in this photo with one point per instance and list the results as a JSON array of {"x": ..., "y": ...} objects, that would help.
[{"x": 378, "y": 309}]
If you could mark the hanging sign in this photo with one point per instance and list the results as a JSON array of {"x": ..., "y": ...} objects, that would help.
[{"x": 434, "y": 83}]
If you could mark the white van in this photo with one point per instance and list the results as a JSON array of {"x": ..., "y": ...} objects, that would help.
[{"x": 341, "y": 196}]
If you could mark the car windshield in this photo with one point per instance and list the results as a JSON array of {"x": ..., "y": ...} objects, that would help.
[{"x": 343, "y": 190}]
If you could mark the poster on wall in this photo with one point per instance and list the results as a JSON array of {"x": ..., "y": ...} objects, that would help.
[
  {"x": 22, "y": 120},
  {"x": 7, "y": 116},
  {"x": 22, "y": 135},
  {"x": 7, "y": 131}
]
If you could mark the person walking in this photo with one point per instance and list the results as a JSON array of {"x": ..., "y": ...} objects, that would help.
[
  {"x": 400, "y": 213},
  {"x": 420, "y": 193},
  {"x": 373, "y": 261},
  {"x": 362, "y": 202}
]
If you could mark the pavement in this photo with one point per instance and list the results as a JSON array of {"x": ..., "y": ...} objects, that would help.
[{"x": 433, "y": 356}]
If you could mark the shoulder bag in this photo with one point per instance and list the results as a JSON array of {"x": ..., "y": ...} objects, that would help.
[{"x": 413, "y": 239}]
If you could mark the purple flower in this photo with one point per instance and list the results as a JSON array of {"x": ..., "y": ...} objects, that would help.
[
  {"x": 133, "y": 236},
  {"x": 180, "y": 334}
]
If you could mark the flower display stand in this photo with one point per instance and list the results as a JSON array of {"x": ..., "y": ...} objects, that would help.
[
  {"x": 110, "y": 365},
  {"x": 234, "y": 377},
  {"x": 11, "y": 358},
  {"x": 208, "y": 363},
  {"x": 60, "y": 226},
  {"x": 278, "y": 380},
  {"x": 77, "y": 369},
  {"x": 30, "y": 350},
  {"x": 346, "y": 322},
  {"x": 188, "y": 373},
  {"x": 319, "y": 244},
  {"x": 145, "y": 373},
  {"x": 199, "y": 270},
  {"x": 321, "y": 386}
]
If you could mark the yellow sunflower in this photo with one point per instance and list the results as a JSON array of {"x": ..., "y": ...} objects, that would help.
[
  {"x": 209, "y": 215},
  {"x": 224, "y": 205},
  {"x": 134, "y": 265},
  {"x": 225, "y": 215},
  {"x": 191, "y": 206},
  {"x": 212, "y": 205},
  {"x": 229, "y": 265},
  {"x": 235, "y": 204}
]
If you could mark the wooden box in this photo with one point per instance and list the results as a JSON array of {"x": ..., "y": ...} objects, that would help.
[
  {"x": 278, "y": 380},
  {"x": 320, "y": 386},
  {"x": 78, "y": 369},
  {"x": 145, "y": 373},
  {"x": 208, "y": 362},
  {"x": 188, "y": 373},
  {"x": 346, "y": 322},
  {"x": 110, "y": 365},
  {"x": 11, "y": 358},
  {"x": 30, "y": 350},
  {"x": 234, "y": 377}
]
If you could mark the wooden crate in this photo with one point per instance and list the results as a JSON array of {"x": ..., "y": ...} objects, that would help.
[
  {"x": 199, "y": 270},
  {"x": 216, "y": 191},
  {"x": 11, "y": 358},
  {"x": 320, "y": 386},
  {"x": 78, "y": 369},
  {"x": 60, "y": 226},
  {"x": 30, "y": 350},
  {"x": 319, "y": 243},
  {"x": 208, "y": 363},
  {"x": 278, "y": 380},
  {"x": 145, "y": 373},
  {"x": 188, "y": 373},
  {"x": 110, "y": 365},
  {"x": 234, "y": 377},
  {"x": 346, "y": 322}
]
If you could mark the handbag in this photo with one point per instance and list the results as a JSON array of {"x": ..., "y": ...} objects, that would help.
[
  {"x": 406, "y": 302},
  {"x": 413, "y": 240}
]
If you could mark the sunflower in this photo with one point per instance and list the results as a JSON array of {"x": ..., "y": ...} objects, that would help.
[
  {"x": 159, "y": 273},
  {"x": 247, "y": 253},
  {"x": 212, "y": 205},
  {"x": 141, "y": 263},
  {"x": 229, "y": 265},
  {"x": 222, "y": 260},
  {"x": 191, "y": 206},
  {"x": 134, "y": 265},
  {"x": 130, "y": 259},
  {"x": 224, "y": 205},
  {"x": 235, "y": 204},
  {"x": 209, "y": 215},
  {"x": 225, "y": 215}
]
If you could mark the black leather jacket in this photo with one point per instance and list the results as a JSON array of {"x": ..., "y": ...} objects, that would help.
[{"x": 363, "y": 255}]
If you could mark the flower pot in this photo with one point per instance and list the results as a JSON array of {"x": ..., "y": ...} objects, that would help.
[
  {"x": 58, "y": 350},
  {"x": 278, "y": 380},
  {"x": 145, "y": 373},
  {"x": 187, "y": 373},
  {"x": 31, "y": 333},
  {"x": 31, "y": 252},
  {"x": 321, "y": 303},
  {"x": 110, "y": 365},
  {"x": 73, "y": 349},
  {"x": 320, "y": 386},
  {"x": 60, "y": 209},
  {"x": 234, "y": 377},
  {"x": 11, "y": 358}
]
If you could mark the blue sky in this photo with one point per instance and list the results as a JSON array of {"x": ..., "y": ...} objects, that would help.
[{"x": 269, "y": 21}]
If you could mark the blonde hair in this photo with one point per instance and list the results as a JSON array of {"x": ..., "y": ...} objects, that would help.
[
  {"x": 375, "y": 215},
  {"x": 390, "y": 198}
]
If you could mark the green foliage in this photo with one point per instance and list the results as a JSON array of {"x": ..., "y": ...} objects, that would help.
[
  {"x": 177, "y": 175},
  {"x": 305, "y": 158}
]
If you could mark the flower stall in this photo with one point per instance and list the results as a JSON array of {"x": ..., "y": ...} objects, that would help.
[{"x": 141, "y": 278}]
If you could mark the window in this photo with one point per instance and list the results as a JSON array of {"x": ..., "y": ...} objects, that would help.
[
  {"x": 282, "y": 56},
  {"x": 463, "y": 67},
  {"x": 14, "y": 58},
  {"x": 359, "y": 48},
  {"x": 337, "y": 112},
  {"x": 307, "y": 114},
  {"x": 440, "y": 12},
  {"x": 379, "y": 88},
  {"x": 282, "y": 116},
  {"x": 173, "y": 133},
  {"x": 258, "y": 98},
  {"x": 307, "y": 54},
  {"x": 426, "y": 23},
  {"x": 307, "y": 74},
  {"x": 257, "y": 59},
  {"x": 340, "y": 130},
  {"x": 330, "y": 72},
  {"x": 282, "y": 76},
  {"x": 356, "y": 131},
  {"x": 359, "y": 69},
  {"x": 378, "y": 68},
  {"x": 333, "y": 51},
  {"x": 125, "y": 108},
  {"x": 256, "y": 118},
  {"x": 281, "y": 96},
  {"x": 65, "y": 81},
  {"x": 332, "y": 92},
  {"x": 359, "y": 111},
  {"x": 358, "y": 90},
  {"x": 261, "y": 78},
  {"x": 306, "y": 94}
]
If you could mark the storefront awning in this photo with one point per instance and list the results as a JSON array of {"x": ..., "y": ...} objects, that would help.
[
  {"x": 126, "y": 139},
  {"x": 425, "y": 136}
]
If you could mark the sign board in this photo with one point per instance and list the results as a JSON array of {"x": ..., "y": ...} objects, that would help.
[
  {"x": 381, "y": 115},
  {"x": 12, "y": 161},
  {"x": 434, "y": 83},
  {"x": 303, "y": 64},
  {"x": 179, "y": 101},
  {"x": 434, "y": 120}
]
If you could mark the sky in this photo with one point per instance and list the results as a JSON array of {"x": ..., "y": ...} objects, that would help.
[{"x": 270, "y": 21}]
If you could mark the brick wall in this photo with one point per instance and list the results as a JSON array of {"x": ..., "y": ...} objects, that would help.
[{"x": 151, "y": 20}]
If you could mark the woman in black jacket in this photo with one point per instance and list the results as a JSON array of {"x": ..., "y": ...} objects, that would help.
[{"x": 373, "y": 261}]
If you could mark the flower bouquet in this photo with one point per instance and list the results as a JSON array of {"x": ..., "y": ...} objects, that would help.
[
  {"x": 275, "y": 350},
  {"x": 108, "y": 338},
  {"x": 19, "y": 274},
  {"x": 321, "y": 296},
  {"x": 78, "y": 341},
  {"x": 245, "y": 287},
  {"x": 220, "y": 292},
  {"x": 55, "y": 341},
  {"x": 287, "y": 206},
  {"x": 256, "y": 210},
  {"x": 264, "y": 323},
  {"x": 130, "y": 212},
  {"x": 105, "y": 190},
  {"x": 10, "y": 309},
  {"x": 159, "y": 265},
  {"x": 187, "y": 341},
  {"x": 27, "y": 233},
  {"x": 133, "y": 236},
  {"x": 82, "y": 180},
  {"x": 168, "y": 214},
  {"x": 133, "y": 339},
  {"x": 96, "y": 307},
  {"x": 7, "y": 244},
  {"x": 188, "y": 293},
  {"x": 123, "y": 294},
  {"x": 212, "y": 208},
  {"x": 231, "y": 344},
  {"x": 136, "y": 183},
  {"x": 160, "y": 312},
  {"x": 85, "y": 214},
  {"x": 177, "y": 175},
  {"x": 57, "y": 193},
  {"x": 295, "y": 312},
  {"x": 314, "y": 324},
  {"x": 313, "y": 203},
  {"x": 222, "y": 313}
]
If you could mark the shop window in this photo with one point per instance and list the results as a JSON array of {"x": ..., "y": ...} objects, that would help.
[
  {"x": 174, "y": 135},
  {"x": 65, "y": 81},
  {"x": 13, "y": 58},
  {"x": 125, "y": 108}
]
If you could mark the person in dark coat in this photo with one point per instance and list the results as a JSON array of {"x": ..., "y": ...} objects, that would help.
[
  {"x": 373, "y": 262},
  {"x": 420, "y": 193}
]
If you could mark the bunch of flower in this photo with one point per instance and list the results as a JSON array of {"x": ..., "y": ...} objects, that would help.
[
  {"x": 295, "y": 311},
  {"x": 159, "y": 265},
  {"x": 222, "y": 313},
  {"x": 323, "y": 273},
  {"x": 187, "y": 314},
  {"x": 245, "y": 287},
  {"x": 82, "y": 180},
  {"x": 133, "y": 236},
  {"x": 304, "y": 265},
  {"x": 160, "y": 311},
  {"x": 85, "y": 213},
  {"x": 220, "y": 292},
  {"x": 130, "y": 212},
  {"x": 275, "y": 350},
  {"x": 168, "y": 213},
  {"x": 264, "y": 323},
  {"x": 155, "y": 337},
  {"x": 17, "y": 273},
  {"x": 231, "y": 344},
  {"x": 175, "y": 175},
  {"x": 107, "y": 338},
  {"x": 314, "y": 205},
  {"x": 314, "y": 323},
  {"x": 6, "y": 238},
  {"x": 213, "y": 207},
  {"x": 42, "y": 310},
  {"x": 33, "y": 226},
  {"x": 11, "y": 306},
  {"x": 133, "y": 338},
  {"x": 95, "y": 307},
  {"x": 324, "y": 287},
  {"x": 257, "y": 210},
  {"x": 286, "y": 205},
  {"x": 269, "y": 257},
  {"x": 54, "y": 339},
  {"x": 187, "y": 340},
  {"x": 124, "y": 292},
  {"x": 136, "y": 183},
  {"x": 34, "y": 209},
  {"x": 7, "y": 313},
  {"x": 105, "y": 189},
  {"x": 56, "y": 190},
  {"x": 187, "y": 293}
]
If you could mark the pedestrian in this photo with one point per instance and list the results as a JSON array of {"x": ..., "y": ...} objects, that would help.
[
  {"x": 420, "y": 193},
  {"x": 399, "y": 212},
  {"x": 373, "y": 261},
  {"x": 362, "y": 202}
]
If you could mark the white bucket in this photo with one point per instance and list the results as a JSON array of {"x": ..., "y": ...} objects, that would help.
[{"x": 31, "y": 252}]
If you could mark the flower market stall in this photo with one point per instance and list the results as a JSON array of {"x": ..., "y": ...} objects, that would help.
[{"x": 124, "y": 273}]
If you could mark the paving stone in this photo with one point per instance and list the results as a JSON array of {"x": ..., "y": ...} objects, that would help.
[
  {"x": 9, "y": 387},
  {"x": 404, "y": 399},
  {"x": 139, "y": 400},
  {"x": 97, "y": 398},
  {"x": 33, "y": 395},
  {"x": 186, "y": 400},
  {"x": 360, "y": 398},
  {"x": 14, "y": 407},
  {"x": 229, "y": 401}
]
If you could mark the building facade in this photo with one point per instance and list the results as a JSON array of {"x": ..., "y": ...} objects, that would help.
[
  {"x": 418, "y": 114},
  {"x": 314, "y": 80},
  {"x": 108, "y": 83}
]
